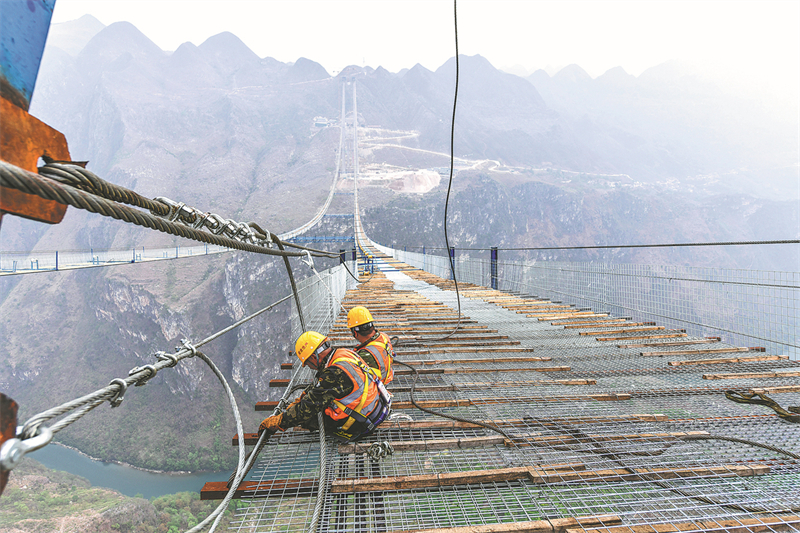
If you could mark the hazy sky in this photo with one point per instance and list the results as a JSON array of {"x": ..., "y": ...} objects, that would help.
[{"x": 754, "y": 42}]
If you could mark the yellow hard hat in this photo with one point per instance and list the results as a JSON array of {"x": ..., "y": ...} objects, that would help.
[
  {"x": 357, "y": 316},
  {"x": 307, "y": 343}
]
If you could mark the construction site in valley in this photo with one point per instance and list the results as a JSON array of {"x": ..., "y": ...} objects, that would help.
[
  {"x": 537, "y": 396},
  {"x": 606, "y": 423}
]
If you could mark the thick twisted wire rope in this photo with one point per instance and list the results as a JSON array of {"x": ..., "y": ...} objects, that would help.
[
  {"x": 22, "y": 180},
  {"x": 323, "y": 475},
  {"x": 88, "y": 181},
  {"x": 216, "y": 515}
]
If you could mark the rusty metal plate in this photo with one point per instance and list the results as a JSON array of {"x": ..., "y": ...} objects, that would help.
[
  {"x": 8, "y": 428},
  {"x": 23, "y": 140}
]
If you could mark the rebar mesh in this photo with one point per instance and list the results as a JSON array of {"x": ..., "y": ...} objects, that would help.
[
  {"x": 634, "y": 431},
  {"x": 756, "y": 308}
]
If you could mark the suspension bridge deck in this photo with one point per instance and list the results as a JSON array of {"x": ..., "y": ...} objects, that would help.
[{"x": 611, "y": 424}]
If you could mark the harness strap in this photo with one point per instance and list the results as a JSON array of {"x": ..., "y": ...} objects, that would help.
[{"x": 355, "y": 414}]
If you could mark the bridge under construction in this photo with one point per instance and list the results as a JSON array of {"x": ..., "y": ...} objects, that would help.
[
  {"x": 606, "y": 423},
  {"x": 529, "y": 397}
]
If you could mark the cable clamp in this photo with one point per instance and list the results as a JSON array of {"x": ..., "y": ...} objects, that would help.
[
  {"x": 163, "y": 356},
  {"x": 200, "y": 221},
  {"x": 151, "y": 372},
  {"x": 185, "y": 344},
  {"x": 282, "y": 404},
  {"x": 120, "y": 394},
  {"x": 13, "y": 450},
  {"x": 175, "y": 208},
  {"x": 214, "y": 223}
]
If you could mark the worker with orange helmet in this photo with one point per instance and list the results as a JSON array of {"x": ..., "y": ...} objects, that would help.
[
  {"x": 346, "y": 390},
  {"x": 374, "y": 347}
]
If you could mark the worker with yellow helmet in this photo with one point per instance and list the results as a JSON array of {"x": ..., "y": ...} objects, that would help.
[
  {"x": 346, "y": 390},
  {"x": 374, "y": 347}
]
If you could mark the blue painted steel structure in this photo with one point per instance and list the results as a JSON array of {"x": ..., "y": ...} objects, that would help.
[{"x": 23, "y": 31}]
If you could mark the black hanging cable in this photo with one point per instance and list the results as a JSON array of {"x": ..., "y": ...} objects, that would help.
[{"x": 450, "y": 182}]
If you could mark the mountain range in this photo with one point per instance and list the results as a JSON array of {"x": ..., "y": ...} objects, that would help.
[{"x": 662, "y": 157}]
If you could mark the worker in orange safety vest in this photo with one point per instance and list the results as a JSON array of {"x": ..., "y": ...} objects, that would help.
[
  {"x": 374, "y": 347},
  {"x": 346, "y": 390}
]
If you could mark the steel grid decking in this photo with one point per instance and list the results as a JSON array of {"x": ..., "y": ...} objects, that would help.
[{"x": 609, "y": 437}]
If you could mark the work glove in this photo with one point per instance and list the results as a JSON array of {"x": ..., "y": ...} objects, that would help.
[{"x": 271, "y": 424}]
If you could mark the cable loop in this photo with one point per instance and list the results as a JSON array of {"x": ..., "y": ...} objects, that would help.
[
  {"x": 151, "y": 373},
  {"x": 188, "y": 345},
  {"x": 163, "y": 356},
  {"x": 116, "y": 400},
  {"x": 308, "y": 260},
  {"x": 378, "y": 450}
]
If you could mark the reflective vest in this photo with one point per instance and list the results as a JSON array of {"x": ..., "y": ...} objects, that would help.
[
  {"x": 365, "y": 396},
  {"x": 381, "y": 349}
]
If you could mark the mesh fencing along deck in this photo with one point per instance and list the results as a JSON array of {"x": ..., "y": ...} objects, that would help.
[{"x": 611, "y": 421}]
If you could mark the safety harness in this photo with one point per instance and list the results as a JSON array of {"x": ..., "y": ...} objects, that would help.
[
  {"x": 369, "y": 403},
  {"x": 381, "y": 349}
]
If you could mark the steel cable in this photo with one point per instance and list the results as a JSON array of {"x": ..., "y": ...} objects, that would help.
[
  {"x": 81, "y": 178},
  {"x": 138, "y": 375},
  {"x": 22, "y": 180}
]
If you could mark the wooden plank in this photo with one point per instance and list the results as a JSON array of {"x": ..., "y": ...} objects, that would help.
[
  {"x": 727, "y": 525},
  {"x": 534, "y": 383},
  {"x": 554, "y": 525},
  {"x": 424, "y": 481},
  {"x": 667, "y": 336},
  {"x": 279, "y": 383},
  {"x": 408, "y": 350},
  {"x": 693, "y": 352},
  {"x": 778, "y": 389},
  {"x": 484, "y": 384},
  {"x": 516, "y": 369},
  {"x": 609, "y": 321},
  {"x": 591, "y": 325},
  {"x": 729, "y": 360},
  {"x": 474, "y": 361},
  {"x": 640, "y": 474},
  {"x": 571, "y": 439},
  {"x": 672, "y": 343},
  {"x": 445, "y": 424},
  {"x": 435, "y": 404},
  {"x": 621, "y": 331},
  {"x": 581, "y": 314},
  {"x": 752, "y": 375},
  {"x": 465, "y": 343},
  {"x": 425, "y": 445},
  {"x": 537, "y": 475},
  {"x": 217, "y": 490}
]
